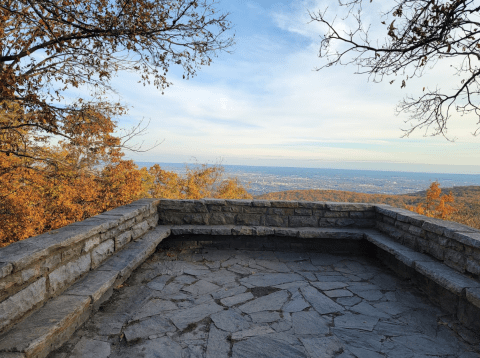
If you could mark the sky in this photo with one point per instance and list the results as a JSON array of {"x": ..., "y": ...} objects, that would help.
[{"x": 265, "y": 104}]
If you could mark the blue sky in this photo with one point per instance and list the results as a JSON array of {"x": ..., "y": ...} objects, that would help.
[{"x": 265, "y": 104}]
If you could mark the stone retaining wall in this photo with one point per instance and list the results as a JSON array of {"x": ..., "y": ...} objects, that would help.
[
  {"x": 454, "y": 244},
  {"x": 266, "y": 213},
  {"x": 42, "y": 267}
]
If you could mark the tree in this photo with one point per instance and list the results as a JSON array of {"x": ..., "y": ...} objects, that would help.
[
  {"x": 436, "y": 205},
  {"x": 49, "y": 46},
  {"x": 416, "y": 35}
]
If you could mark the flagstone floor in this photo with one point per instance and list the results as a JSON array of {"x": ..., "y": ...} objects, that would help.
[{"x": 239, "y": 303}]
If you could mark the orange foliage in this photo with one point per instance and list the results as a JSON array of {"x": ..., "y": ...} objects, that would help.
[{"x": 435, "y": 205}]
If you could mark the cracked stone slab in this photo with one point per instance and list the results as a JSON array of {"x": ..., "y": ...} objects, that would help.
[
  {"x": 271, "y": 302},
  {"x": 87, "y": 348},
  {"x": 228, "y": 290},
  {"x": 338, "y": 293},
  {"x": 265, "y": 347},
  {"x": 217, "y": 345},
  {"x": 201, "y": 287},
  {"x": 230, "y": 321},
  {"x": 255, "y": 331},
  {"x": 182, "y": 318},
  {"x": 154, "y": 307},
  {"x": 321, "y": 303},
  {"x": 265, "y": 317},
  {"x": 325, "y": 347},
  {"x": 270, "y": 279},
  {"x": 309, "y": 322},
  {"x": 356, "y": 321},
  {"x": 234, "y": 300},
  {"x": 151, "y": 326},
  {"x": 325, "y": 286},
  {"x": 296, "y": 304}
]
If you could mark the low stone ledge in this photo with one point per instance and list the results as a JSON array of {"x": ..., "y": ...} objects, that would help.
[
  {"x": 47, "y": 328},
  {"x": 133, "y": 254}
]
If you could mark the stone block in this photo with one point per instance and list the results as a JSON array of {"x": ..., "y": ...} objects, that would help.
[
  {"x": 468, "y": 238},
  {"x": 47, "y": 328},
  {"x": 357, "y": 214},
  {"x": 261, "y": 203},
  {"x": 250, "y": 219},
  {"x": 152, "y": 220},
  {"x": 436, "y": 250},
  {"x": 283, "y": 204},
  {"x": 123, "y": 239},
  {"x": 455, "y": 256},
  {"x": 414, "y": 230},
  {"x": 303, "y": 211},
  {"x": 349, "y": 206},
  {"x": 263, "y": 231},
  {"x": 5, "y": 269},
  {"x": 195, "y": 206},
  {"x": 102, "y": 251},
  {"x": 196, "y": 219},
  {"x": 51, "y": 262},
  {"x": 94, "y": 285},
  {"x": 473, "y": 266},
  {"x": 14, "y": 307},
  {"x": 344, "y": 222},
  {"x": 290, "y": 232},
  {"x": 446, "y": 277},
  {"x": 402, "y": 226},
  {"x": 254, "y": 209},
  {"x": 386, "y": 210},
  {"x": 242, "y": 230},
  {"x": 409, "y": 241},
  {"x": 315, "y": 205},
  {"x": 72, "y": 252},
  {"x": 303, "y": 221},
  {"x": 217, "y": 218},
  {"x": 65, "y": 275},
  {"x": 221, "y": 230},
  {"x": 139, "y": 229},
  {"x": 171, "y": 205},
  {"x": 170, "y": 218},
  {"x": 336, "y": 214},
  {"x": 280, "y": 211},
  {"x": 276, "y": 220},
  {"x": 242, "y": 202},
  {"x": 388, "y": 220},
  {"x": 30, "y": 273},
  {"x": 364, "y": 223},
  {"x": 473, "y": 296},
  {"x": 214, "y": 202},
  {"x": 90, "y": 243},
  {"x": 434, "y": 225}
]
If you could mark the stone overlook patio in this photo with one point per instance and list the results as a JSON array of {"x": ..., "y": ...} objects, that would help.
[{"x": 210, "y": 302}]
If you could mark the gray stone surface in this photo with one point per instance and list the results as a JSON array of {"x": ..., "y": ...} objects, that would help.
[
  {"x": 309, "y": 323},
  {"x": 17, "y": 305},
  {"x": 67, "y": 274},
  {"x": 87, "y": 348},
  {"x": 183, "y": 306},
  {"x": 217, "y": 346},
  {"x": 95, "y": 284},
  {"x": 230, "y": 321},
  {"x": 263, "y": 347},
  {"x": 321, "y": 303},
  {"x": 272, "y": 302},
  {"x": 233, "y": 300},
  {"x": 156, "y": 325},
  {"x": 183, "y": 318}
]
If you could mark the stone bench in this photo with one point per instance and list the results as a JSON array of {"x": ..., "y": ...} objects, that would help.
[{"x": 114, "y": 243}]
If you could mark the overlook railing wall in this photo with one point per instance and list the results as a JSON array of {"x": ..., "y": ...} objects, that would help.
[{"x": 74, "y": 268}]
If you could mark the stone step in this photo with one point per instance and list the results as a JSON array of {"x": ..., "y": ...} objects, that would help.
[
  {"x": 50, "y": 326},
  {"x": 446, "y": 277}
]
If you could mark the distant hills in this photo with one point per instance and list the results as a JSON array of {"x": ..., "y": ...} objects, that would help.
[{"x": 467, "y": 200}]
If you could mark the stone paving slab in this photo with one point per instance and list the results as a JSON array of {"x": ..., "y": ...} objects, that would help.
[{"x": 221, "y": 303}]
